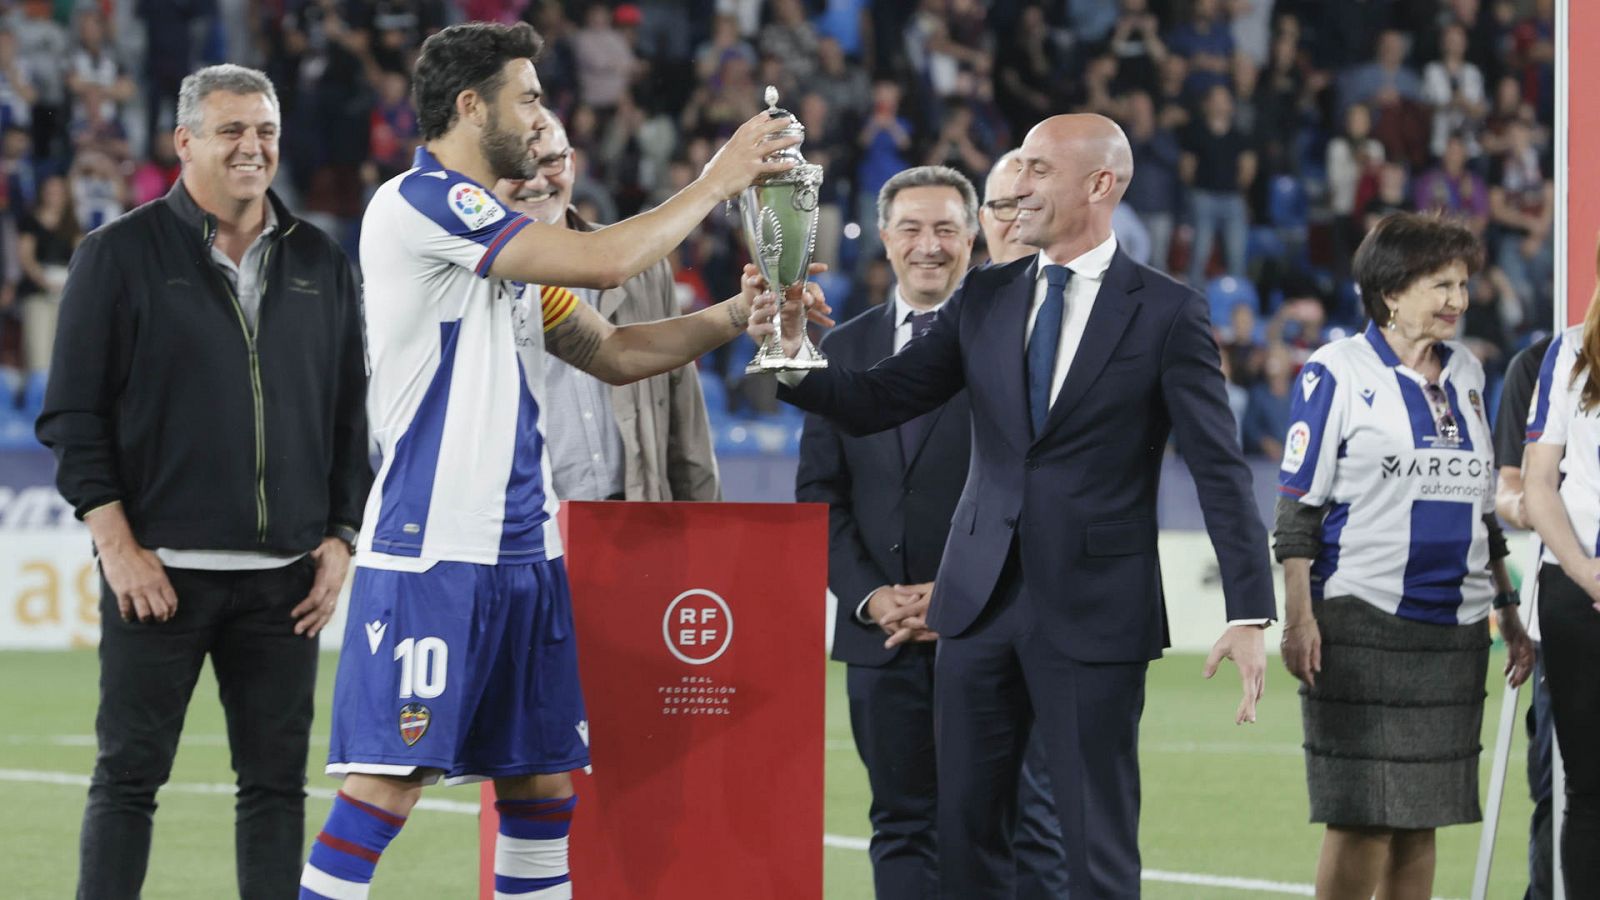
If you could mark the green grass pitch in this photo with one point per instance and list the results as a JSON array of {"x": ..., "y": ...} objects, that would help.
[{"x": 1219, "y": 800}]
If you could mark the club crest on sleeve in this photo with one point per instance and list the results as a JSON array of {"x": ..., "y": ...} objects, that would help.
[
  {"x": 414, "y": 718},
  {"x": 1294, "y": 446},
  {"x": 474, "y": 207},
  {"x": 1308, "y": 383}
]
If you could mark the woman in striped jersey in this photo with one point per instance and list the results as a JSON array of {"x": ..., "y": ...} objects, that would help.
[
  {"x": 1392, "y": 562},
  {"x": 1561, "y": 490}
]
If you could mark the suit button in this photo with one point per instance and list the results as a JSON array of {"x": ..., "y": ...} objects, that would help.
[
  {"x": 895, "y": 549},
  {"x": 1033, "y": 465},
  {"x": 1011, "y": 521}
]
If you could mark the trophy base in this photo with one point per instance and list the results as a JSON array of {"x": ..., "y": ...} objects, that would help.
[{"x": 770, "y": 358}]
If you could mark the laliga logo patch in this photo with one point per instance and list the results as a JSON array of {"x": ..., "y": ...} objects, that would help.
[
  {"x": 1294, "y": 446},
  {"x": 473, "y": 207},
  {"x": 698, "y": 627},
  {"x": 414, "y": 718},
  {"x": 1477, "y": 405}
]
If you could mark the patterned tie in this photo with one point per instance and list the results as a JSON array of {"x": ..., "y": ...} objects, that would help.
[
  {"x": 912, "y": 432},
  {"x": 1042, "y": 345}
]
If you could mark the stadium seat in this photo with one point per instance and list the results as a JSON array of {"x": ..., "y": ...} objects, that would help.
[
  {"x": 1224, "y": 293},
  {"x": 1287, "y": 205},
  {"x": 33, "y": 393}
]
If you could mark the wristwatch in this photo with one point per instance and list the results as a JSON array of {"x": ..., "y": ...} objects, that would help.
[
  {"x": 345, "y": 533},
  {"x": 1507, "y": 598}
]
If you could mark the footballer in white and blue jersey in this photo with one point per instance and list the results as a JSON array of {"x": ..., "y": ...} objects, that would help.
[
  {"x": 1406, "y": 489},
  {"x": 1556, "y": 417},
  {"x": 460, "y": 565},
  {"x": 459, "y": 660}
]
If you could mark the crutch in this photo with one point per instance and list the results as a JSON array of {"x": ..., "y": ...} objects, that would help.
[{"x": 1497, "y": 784}]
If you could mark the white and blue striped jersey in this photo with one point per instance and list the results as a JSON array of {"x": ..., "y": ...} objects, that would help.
[
  {"x": 1404, "y": 529},
  {"x": 456, "y": 366},
  {"x": 1554, "y": 417}
]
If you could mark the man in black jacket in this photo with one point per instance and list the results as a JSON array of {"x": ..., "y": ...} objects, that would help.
[
  {"x": 890, "y": 498},
  {"x": 205, "y": 407}
]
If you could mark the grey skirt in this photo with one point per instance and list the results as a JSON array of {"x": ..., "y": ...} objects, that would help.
[{"x": 1392, "y": 730}]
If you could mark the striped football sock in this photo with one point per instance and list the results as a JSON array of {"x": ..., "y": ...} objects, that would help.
[
  {"x": 347, "y": 850},
  {"x": 530, "y": 854}
]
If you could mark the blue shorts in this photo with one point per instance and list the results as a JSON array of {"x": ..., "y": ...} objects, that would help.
[{"x": 466, "y": 669}]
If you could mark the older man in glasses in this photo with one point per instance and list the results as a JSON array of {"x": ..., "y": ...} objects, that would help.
[
  {"x": 649, "y": 440},
  {"x": 998, "y": 216}
]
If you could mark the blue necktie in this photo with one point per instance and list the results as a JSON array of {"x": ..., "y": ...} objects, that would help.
[
  {"x": 1042, "y": 345},
  {"x": 912, "y": 432}
]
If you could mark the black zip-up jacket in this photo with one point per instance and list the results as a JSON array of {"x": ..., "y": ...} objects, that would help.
[{"x": 160, "y": 396}]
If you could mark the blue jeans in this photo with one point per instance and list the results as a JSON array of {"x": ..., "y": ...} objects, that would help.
[{"x": 1209, "y": 211}]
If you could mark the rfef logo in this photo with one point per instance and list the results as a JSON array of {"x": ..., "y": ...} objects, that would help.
[{"x": 698, "y": 627}]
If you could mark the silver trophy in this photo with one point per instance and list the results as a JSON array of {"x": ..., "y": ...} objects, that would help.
[{"x": 780, "y": 222}]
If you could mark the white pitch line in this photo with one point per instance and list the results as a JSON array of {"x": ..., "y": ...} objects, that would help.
[
  {"x": 188, "y": 787},
  {"x": 837, "y": 841}
]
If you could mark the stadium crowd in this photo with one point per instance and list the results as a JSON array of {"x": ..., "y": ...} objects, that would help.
[{"x": 1268, "y": 136}]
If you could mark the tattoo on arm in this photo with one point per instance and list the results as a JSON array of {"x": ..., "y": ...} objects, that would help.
[
  {"x": 575, "y": 341},
  {"x": 738, "y": 318}
]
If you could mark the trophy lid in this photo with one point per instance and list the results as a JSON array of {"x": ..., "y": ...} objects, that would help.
[{"x": 777, "y": 112}]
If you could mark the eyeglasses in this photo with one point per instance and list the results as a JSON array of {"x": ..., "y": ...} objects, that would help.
[
  {"x": 555, "y": 163},
  {"x": 1444, "y": 419},
  {"x": 1003, "y": 210}
]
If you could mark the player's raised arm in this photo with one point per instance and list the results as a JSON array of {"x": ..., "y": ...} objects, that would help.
[{"x": 546, "y": 254}]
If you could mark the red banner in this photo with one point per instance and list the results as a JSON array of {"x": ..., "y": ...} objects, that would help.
[
  {"x": 1577, "y": 126},
  {"x": 700, "y": 643}
]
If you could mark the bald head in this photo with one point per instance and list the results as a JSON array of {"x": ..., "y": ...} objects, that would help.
[
  {"x": 1001, "y": 174},
  {"x": 1088, "y": 140},
  {"x": 1074, "y": 170}
]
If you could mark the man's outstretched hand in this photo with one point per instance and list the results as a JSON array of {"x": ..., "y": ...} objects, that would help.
[{"x": 1245, "y": 645}]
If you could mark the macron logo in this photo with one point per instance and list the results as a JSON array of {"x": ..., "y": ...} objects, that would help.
[
  {"x": 375, "y": 630},
  {"x": 1308, "y": 384},
  {"x": 1367, "y": 394},
  {"x": 583, "y": 731}
]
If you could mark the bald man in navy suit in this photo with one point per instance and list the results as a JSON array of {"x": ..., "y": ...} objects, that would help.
[
  {"x": 890, "y": 497},
  {"x": 1078, "y": 364}
]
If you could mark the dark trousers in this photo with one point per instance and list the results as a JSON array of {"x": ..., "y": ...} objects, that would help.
[
  {"x": 1541, "y": 737},
  {"x": 996, "y": 685},
  {"x": 1571, "y": 634},
  {"x": 891, "y": 717},
  {"x": 266, "y": 677}
]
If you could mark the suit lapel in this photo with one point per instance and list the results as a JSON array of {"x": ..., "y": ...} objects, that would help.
[
  {"x": 1108, "y": 319},
  {"x": 1001, "y": 338}
]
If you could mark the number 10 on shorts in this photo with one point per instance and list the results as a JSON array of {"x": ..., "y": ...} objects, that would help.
[{"x": 423, "y": 664}]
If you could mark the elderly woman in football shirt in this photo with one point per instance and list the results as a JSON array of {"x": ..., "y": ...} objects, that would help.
[{"x": 1392, "y": 562}]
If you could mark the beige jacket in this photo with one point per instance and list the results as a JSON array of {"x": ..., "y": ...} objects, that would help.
[{"x": 666, "y": 436}]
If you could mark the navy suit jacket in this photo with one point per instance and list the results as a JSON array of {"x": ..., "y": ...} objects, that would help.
[
  {"x": 888, "y": 517},
  {"x": 1080, "y": 498}
]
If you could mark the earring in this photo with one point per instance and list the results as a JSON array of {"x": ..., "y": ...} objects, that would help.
[{"x": 1391, "y": 321}]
